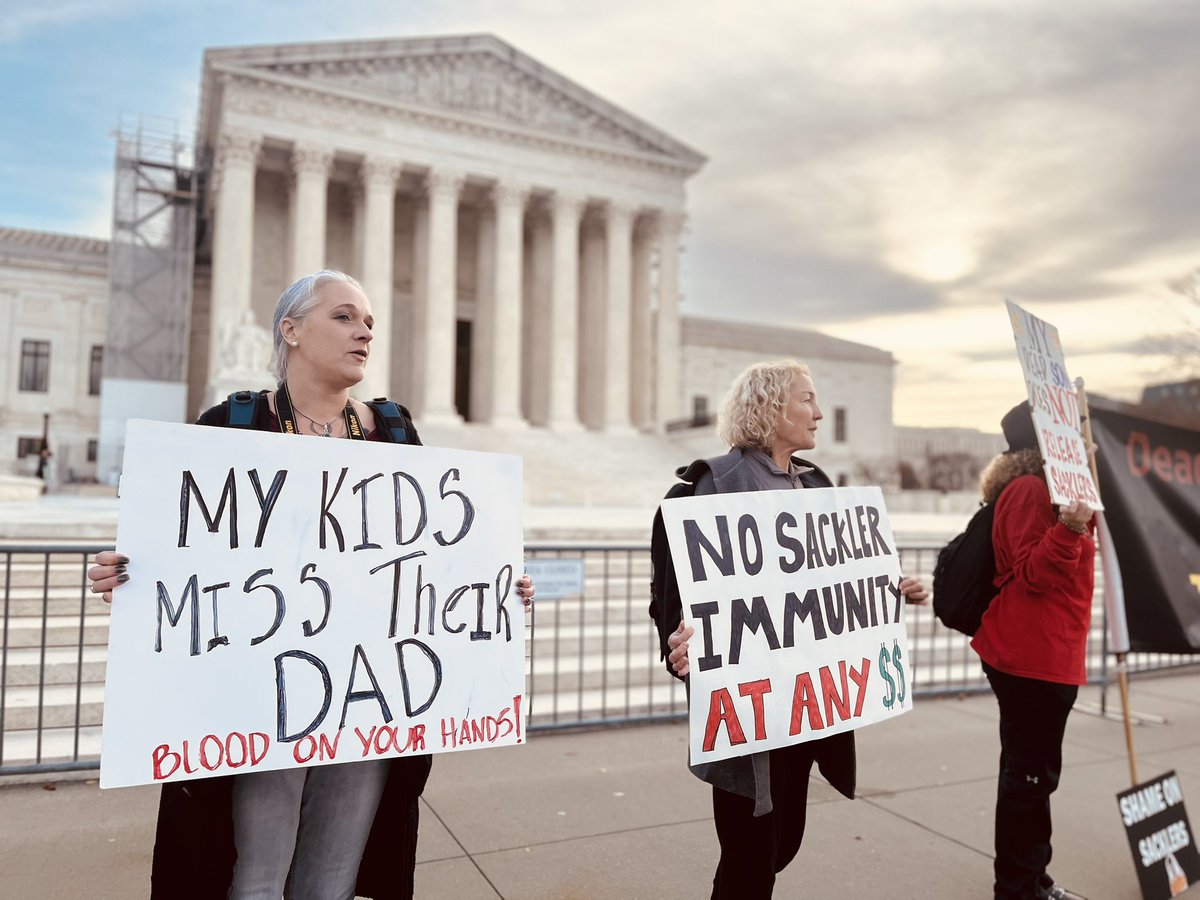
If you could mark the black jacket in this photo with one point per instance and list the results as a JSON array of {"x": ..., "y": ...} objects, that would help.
[{"x": 750, "y": 776}]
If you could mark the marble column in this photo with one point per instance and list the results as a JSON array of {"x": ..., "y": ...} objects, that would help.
[
  {"x": 414, "y": 365},
  {"x": 483, "y": 321},
  {"x": 443, "y": 188},
  {"x": 505, "y": 352},
  {"x": 641, "y": 329},
  {"x": 233, "y": 251},
  {"x": 617, "y": 326},
  {"x": 592, "y": 319},
  {"x": 538, "y": 353},
  {"x": 375, "y": 269},
  {"x": 667, "y": 338},
  {"x": 560, "y": 367},
  {"x": 311, "y": 165}
]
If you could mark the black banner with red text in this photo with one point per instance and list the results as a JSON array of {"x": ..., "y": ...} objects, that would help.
[{"x": 1150, "y": 481}]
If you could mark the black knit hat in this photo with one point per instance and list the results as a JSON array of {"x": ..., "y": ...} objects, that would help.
[{"x": 1018, "y": 429}]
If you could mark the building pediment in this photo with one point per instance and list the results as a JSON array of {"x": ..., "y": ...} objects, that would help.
[{"x": 477, "y": 76}]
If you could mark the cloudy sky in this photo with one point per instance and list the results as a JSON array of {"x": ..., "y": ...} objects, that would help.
[{"x": 887, "y": 171}]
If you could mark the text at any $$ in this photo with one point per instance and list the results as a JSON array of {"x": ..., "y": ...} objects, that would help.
[{"x": 832, "y": 695}]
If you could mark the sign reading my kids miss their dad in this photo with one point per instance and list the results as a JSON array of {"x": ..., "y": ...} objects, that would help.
[
  {"x": 1055, "y": 407},
  {"x": 798, "y": 617},
  {"x": 307, "y": 602}
]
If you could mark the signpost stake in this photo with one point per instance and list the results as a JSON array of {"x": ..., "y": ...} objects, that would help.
[{"x": 1122, "y": 668}]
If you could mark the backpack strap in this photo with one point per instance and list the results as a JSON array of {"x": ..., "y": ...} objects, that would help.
[
  {"x": 395, "y": 419},
  {"x": 242, "y": 407}
]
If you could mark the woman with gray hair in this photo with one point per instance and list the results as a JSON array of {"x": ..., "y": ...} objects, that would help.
[
  {"x": 326, "y": 832},
  {"x": 760, "y": 801}
]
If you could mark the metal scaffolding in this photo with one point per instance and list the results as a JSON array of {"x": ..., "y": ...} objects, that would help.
[
  {"x": 151, "y": 254},
  {"x": 150, "y": 262}
]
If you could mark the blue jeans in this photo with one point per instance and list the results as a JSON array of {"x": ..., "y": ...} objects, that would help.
[
  {"x": 301, "y": 832},
  {"x": 1033, "y": 719}
]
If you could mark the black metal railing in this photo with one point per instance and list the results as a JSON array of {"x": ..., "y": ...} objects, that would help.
[{"x": 593, "y": 656}]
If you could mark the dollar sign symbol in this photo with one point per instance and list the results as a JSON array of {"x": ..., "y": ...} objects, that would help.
[
  {"x": 899, "y": 671},
  {"x": 890, "y": 700}
]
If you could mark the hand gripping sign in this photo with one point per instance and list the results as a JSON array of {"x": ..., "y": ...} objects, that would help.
[
  {"x": 1055, "y": 406},
  {"x": 304, "y": 602},
  {"x": 799, "y": 619}
]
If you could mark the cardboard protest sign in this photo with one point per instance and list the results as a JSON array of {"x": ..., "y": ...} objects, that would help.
[
  {"x": 1055, "y": 409},
  {"x": 1160, "y": 837},
  {"x": 303, "y": 602},
  {"x": 799, "y": 619}
]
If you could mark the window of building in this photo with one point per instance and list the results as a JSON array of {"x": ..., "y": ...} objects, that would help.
[
  {"x": 28, "y": 446},
  {"x": 35, "y": 366},
  {"x": 93, "y": 450},
  {"x": 839, "y": 424},
  {"x": 95, "y": 370},
  {"x": 699, "y": 409}
]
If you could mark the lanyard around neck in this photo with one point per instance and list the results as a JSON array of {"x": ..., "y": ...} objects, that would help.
[{"x": 286, "y": 414}]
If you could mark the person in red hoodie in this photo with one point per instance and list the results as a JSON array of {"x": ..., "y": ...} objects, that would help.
[{"x": 1032, "y": 643}]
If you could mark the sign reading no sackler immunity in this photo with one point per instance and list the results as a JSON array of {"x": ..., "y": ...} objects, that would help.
[
  {"x": 306, "y": 602},
  {"x": 795, "y": 599}
]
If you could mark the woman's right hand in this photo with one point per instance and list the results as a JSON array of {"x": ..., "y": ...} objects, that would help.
[
  {"x": 677, "y": 641},
  {"x": 107, "y": 573},
  {"x": 1076, "y": 515}
]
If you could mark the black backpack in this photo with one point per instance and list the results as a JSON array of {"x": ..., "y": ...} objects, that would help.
[
  {"x": 963, "y": 578},
  {"x": 242, "y": 410},
  {"x": 665, "y": 606}
]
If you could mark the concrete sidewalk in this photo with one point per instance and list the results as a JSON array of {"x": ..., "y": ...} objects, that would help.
[{"x": 615, "y": 814}]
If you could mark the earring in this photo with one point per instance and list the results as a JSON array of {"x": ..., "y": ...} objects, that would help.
[{"x": 295, "y": 343}]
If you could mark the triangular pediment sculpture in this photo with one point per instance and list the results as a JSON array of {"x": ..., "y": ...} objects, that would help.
[{"x": 475, "y": 76}]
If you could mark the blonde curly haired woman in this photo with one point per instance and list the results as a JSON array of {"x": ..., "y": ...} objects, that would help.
[{"x": 760, "y": 801}]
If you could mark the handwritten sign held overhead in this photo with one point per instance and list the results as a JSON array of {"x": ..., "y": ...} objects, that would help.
[
  {"x": 298, "y": 602},
  {"x": 799, "y": 619},
  {"x": 1055, "y": 407}
]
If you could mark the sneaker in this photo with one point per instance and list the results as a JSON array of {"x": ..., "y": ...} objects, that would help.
[{"x": 1061, "y": 893}]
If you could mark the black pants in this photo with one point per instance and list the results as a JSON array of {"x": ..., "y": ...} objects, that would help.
[
  {"x": 754, "y": 849},
  {"x": 1033, "y": 718}
]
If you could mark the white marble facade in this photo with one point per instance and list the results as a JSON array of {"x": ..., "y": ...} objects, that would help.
[
  {"x": 856, "y": 441},
  {"x": 53, "y": 295},
  {"x": 518, "y": 236}
]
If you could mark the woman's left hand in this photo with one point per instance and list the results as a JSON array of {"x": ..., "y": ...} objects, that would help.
[
  {"x": 913, "y": 590},
  {"x": 525, "y": 591}
]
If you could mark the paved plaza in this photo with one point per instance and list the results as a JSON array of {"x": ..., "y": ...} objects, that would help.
[{"x": 613, "y": 814}]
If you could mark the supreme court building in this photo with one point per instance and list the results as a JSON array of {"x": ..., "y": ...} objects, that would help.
[{"x": 518, "y": 236}]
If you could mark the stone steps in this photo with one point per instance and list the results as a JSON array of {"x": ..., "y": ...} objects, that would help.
[
  {"x": 59, "y": 665},
  {"x": 555, "y": 463},
  {"x": 30, "y": 572},
  {"x": 56, "y": 631}
]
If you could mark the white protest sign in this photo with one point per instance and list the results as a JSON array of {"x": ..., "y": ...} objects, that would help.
[
  {"x": 299, "y": 602},
  {"x": 799, "y": 619},
  {"x": 1055, "y": 409}
]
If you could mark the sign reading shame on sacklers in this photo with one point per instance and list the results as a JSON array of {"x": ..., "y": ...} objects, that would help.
[
  {"x": 1055, "y": 406},
  {"x": 306, "y": 602},
  {"x": 800, "y": 623}
]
